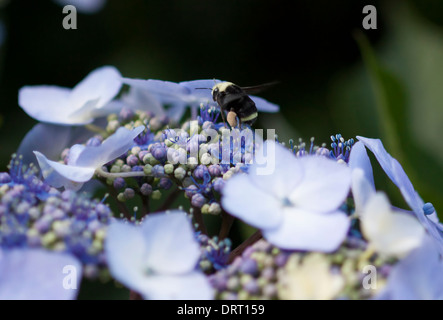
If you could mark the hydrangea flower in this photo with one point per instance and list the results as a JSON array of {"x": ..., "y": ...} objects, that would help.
[
  {"x": 297, "y": 205},
  {"x": 77, "y": 106},
  {"x": 37, "y": 274},
  {"x": 181, "y": 95},
  {"x": 157, "y": 259},
  {"x": 395, "y": 172},
  {"x": 84, "y": 160}
]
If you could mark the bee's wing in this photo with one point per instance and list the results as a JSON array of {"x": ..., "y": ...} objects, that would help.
[{"x": 259, "y": 88}]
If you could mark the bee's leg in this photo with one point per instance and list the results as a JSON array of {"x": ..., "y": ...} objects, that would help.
[
  {"x": 239, "y": 123},
  {"x": 222, "y": 112}
]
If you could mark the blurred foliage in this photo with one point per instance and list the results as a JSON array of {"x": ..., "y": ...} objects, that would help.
[{"x": 397, "y": 96}]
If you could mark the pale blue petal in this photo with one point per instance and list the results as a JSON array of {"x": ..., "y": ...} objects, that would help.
[
  {"x": 102, "y": 84},
  {"x": 380, "y": 153},
  {"x": 359, "y": 159},
  {"x": 46, "y": 103},
  {"x": 205, "y": 95},
  {"x": 190, "y": 286},
  {"x": 255, "y": 206},
  {"x": 165, "y": 91},
  {"x": 276, "y": 170},
  {"x": 264, "y": 105},
  {"x": 325, "y": 185},
  {"x": 395, "y": 172},
  {"x": 362, "y": 190},
  {"x": 305, "y": 230},
  {"x": 37, "y": 274},
  {"x": 125, "y": 253},
  {"x": 46, "y": 138},
  {"x": 61, "y": 175},
  {"x": 140, "y": 99},
  {"x": 419, "y": 276},
  {"x": 51, "y": 140},
  {"x": 111, "y": 148},
  {"x": 171, "y": 247}
]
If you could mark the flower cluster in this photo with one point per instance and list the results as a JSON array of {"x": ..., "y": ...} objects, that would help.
[
  {"x": 34, "y": 215},
  {"x": 323, "y": 230},
  {"x": 264, "y": 271}
]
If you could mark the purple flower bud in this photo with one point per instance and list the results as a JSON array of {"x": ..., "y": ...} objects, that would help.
[
  {"x": 146, "y": 189},
  {"x": 198, "y": 200},
  {"x": 129, "y": 193},
  {"x": 218, "y": 184},
  {"x": 4, "y": 177},
  {"x": 281, "y": 259},
  {"x": 249, "y": 266},
  {"x": 159, "y": 152},
  {"x": 119, "y": 183},
  {"x": 191, "y": 190},
  {"x": 200, "y": 171},
  {"x": 132, "y": 160},
  {"x": 93, "y": 142},
  {"x": 251, "y": 287},
  {"x": 215, "y": 170},
  {"x": 165, "y": 183},
  {"x": 126, "y": 114},
  {"x": 142, "y": 153},
  {"x": 42, "y": 225}
]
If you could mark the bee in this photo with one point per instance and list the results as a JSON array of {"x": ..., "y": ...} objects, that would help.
[{"x": 235, "y": 100}]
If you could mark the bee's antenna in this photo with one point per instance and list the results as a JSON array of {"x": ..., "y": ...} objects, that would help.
[{"x": 204, "y": 88}]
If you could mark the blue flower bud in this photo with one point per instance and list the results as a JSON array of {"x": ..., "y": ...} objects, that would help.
[
  {"x": 428, "y": 208},
  {"x": 158, "y": 171}
]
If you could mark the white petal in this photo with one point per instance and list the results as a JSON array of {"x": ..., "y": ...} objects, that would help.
[
  {"x": 37, "y": 274},
  {"x": 125, "y": 253},
  {"x": 111, "y": 148},
  {"x": 276, "y": 170},
  {"x": 171, "y": 247},
  {"x": 46, "y": 103},
  {"x": 325, "y": 184},
  {"x": 191, "y": 286},
  {"x": 257, "y": 207},
  {"x": 304, "y": 230},
  {"x": 103, "y": 84},
  {"x": 390, "y": 233},
  {"x": 58, "y": 175}
]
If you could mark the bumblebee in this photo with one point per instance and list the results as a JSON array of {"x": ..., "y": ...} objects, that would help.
[{"x": 235, "y": 100}]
